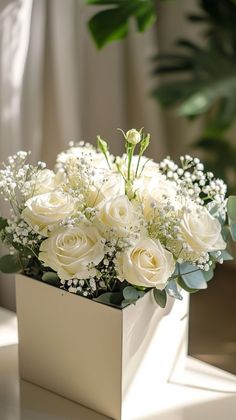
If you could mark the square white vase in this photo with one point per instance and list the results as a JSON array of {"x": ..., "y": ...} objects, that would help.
[{"x": 90, "y": 352}]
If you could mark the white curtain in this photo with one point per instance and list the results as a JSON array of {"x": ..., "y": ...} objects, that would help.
[{"x": 56, "y": 87}]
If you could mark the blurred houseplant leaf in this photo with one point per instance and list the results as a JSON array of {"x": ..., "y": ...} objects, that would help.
[
  {"x": 204, "y": 82},
  {"x": 200, "y": 80},
  {"x": 112, "y": 22},
  {"x": 211, "y": 77}
]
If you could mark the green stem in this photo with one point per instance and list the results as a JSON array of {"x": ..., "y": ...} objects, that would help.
[
  {"x": 130, "y": 156},
  {"x": 139, "y": 158},
  {"x": 120, "y": 171},
  {"x": 31, "y": 250},
  {"x": 107, "y": 160}
]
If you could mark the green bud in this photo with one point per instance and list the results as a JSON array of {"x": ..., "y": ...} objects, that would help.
[
  {"x": 101, "y": 145},
  {"x": 145, "y": 143},
  {"x": 133, "y": 136}
]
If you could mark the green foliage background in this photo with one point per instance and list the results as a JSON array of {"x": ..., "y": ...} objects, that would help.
[{"x": 202, "y": 79}]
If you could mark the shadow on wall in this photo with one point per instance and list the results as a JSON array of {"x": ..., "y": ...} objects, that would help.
[{"x": 212, "y": 321}]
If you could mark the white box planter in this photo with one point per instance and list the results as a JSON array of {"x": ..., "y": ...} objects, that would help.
[{"x": 89, "y": 352}]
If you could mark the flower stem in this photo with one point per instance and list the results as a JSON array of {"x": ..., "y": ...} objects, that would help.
[{"x": 130, "y": 156}]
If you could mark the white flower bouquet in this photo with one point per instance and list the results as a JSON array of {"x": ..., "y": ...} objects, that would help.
[{"x": 112, "y": 228}]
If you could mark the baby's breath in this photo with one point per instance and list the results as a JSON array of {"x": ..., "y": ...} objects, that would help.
[
  {"x": 143, "y": 214},
  {"x": 18, "y": 180}
]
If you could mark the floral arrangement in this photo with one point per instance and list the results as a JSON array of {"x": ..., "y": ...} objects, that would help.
[{"x": 113, "y": 228}]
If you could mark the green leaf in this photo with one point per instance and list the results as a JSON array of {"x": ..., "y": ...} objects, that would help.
[
  {"x": 108, "y": 26},
  {"x": 233, "y": 230},
  {"x": 130, "y": 293},
  {"x": 160, "y": 297},
  {"x": 231, "y": 208},
  {"x": 208, "y": 275},
  {"x": 51, "y": 278},
  {"x": 141, "y": 293},
  {"x": 116, "y": 298},
  {"x": 192, "y": 276},
  {"x": 10, "y": 264},
  {"x": 184, "y": 287},
  {"x": 112, "y": 24},
  {"x": 226, "y": 235},
  {"x": 3, "y": 223},
  {"x": 127, "y": 302},
  {"x": 208, "y": 78},
  {"x": 172, "y": 290},
  {"x": 104, "y": 298},
  {"x": 111, "y": 298},
  {"x": 226, "y": 256},
  {"x": 145, "y": 15}
]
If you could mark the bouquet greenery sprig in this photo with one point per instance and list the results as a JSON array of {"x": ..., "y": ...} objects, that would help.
[{"x": 112, "y": 228}]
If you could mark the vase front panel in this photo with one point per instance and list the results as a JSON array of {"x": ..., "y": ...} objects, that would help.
[{"x": 70, "y": 345}]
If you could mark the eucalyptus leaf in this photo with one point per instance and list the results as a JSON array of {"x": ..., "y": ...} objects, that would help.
[
  {"x": 51, "y": 278},
  {"x": 104, "y": 298},
  {"x": 231, "y": 208},
  {"x": 130, "y": 293},
  {"x": 214, "y": 210},
  {"x": 160, "y": 297},
  {"x": 226, "y": 256},
  {"x": 127, "y": 302},
  {"x": 192, "y": 276},
  {"x": 10, "y": 264},
  {"x": 226, "y": 234},
  {"x": 141, "y": 293},
  {"x": 184, "y": 287},
  {"x": 208, "y": 275},
  {"x": 117, "y": 298},
  {"x": 232, "y": 226},
  {"x": 172, "y": 290},
  {"x": 111, "y": 298}
]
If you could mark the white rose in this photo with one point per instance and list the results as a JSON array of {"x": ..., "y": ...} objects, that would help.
[
  {"x": 133, "y": 136},
  {"x": 48, "y": 181},
  {"x": 201, "y": 231},
  {"x": 72, "y": 251},
  {"x": 118, "y": 214},
  {"x": 45, "y": 210},
  {"x": 101, "y": 190},
  {"x": 146, "y": 264},
  {"x": 157, "y": 192}
]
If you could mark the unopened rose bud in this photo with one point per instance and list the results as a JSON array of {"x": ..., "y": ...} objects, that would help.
[{"x": 133, "y": 136}]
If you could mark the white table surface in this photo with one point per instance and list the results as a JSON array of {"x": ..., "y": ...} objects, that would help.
[{"x": 212, "y": 394}]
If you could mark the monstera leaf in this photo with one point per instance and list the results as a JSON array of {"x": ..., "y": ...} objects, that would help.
[
  {"x": 112, "y": 22},
  {"x": 201, "y": 80},
  {"x": 210, "y": 76}
]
